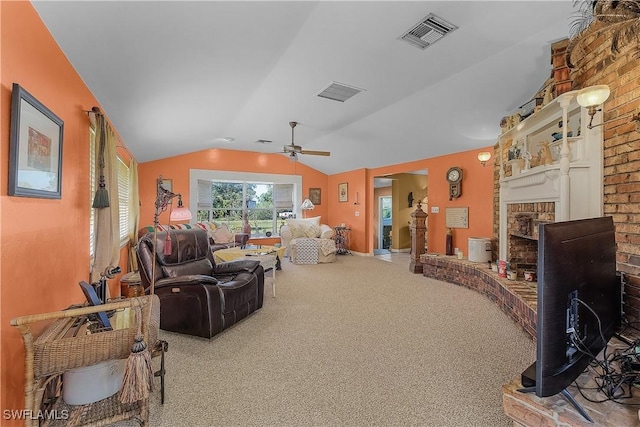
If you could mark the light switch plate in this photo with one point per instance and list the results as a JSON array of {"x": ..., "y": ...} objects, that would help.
[{"x": 357, "y": 213}]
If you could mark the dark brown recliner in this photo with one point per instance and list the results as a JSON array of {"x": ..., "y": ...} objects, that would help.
[{"x": 197, "y": 296}]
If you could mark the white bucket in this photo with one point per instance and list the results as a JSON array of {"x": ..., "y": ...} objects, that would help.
[
  {"x": 479, "y": 249},
  {"x": 89, "y": 384}
]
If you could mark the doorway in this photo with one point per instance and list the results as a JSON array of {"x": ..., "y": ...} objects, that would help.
[
  {"x": 385, "y": 213},
  {"x": 393, "y": 195}
]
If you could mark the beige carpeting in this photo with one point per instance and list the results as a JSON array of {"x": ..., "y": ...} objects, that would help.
[{"x": 360, "y": 342}]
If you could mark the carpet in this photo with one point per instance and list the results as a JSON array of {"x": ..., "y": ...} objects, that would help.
[{"x": 358, "y": 342}]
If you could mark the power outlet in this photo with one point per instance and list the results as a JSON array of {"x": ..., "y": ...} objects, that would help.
[
  {"x": 357, "y": 213},
  {"x": 435, "y": 209}
]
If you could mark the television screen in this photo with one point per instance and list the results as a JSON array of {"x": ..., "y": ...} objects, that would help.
[{"x": 579, "y": 301}]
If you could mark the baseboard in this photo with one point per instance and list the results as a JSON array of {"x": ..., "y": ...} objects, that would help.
[{"x": 403, "y": 250}]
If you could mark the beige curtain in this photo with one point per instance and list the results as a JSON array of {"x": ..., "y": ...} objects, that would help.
[
  {"x": 134, "y": 214},
  {"x": 107, "y": 225}
]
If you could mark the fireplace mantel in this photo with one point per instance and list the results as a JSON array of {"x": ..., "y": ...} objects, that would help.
[{"x": 573, "y": 180}]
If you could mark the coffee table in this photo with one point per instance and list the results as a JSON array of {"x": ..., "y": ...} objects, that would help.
[{"x": 267, "y": 255}]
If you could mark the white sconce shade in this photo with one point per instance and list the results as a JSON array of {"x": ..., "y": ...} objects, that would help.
[
  {"x": 593, "y": 95},
  {"x": 484, "y": 157},
  {"x": 590, "y": 97},
  {"x": 307, "y": 205}
]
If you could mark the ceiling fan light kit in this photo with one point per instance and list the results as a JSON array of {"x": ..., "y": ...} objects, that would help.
[{"x": 293, "y": 150}]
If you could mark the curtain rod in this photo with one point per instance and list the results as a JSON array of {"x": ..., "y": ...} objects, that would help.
[{"x": 96, "y": 110}]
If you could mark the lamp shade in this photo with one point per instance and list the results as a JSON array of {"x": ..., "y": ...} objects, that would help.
[
  {"x": 484, "y": 156},
  {"x": 593, "y": 95},
  {"x": 307, "y": 205},
  {"x": 180, "y": 214}
]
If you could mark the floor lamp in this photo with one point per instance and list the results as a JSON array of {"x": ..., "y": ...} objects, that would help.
[{"x": 181, "y": 213}]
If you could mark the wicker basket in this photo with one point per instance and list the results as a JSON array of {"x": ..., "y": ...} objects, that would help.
[{"x": 56, "y": 351}]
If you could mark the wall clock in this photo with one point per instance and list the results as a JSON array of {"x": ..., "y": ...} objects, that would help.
[{"x": 454, "y": 177}]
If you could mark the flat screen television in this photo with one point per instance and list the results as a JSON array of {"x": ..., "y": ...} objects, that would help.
[{"x": 579, "y": 302}]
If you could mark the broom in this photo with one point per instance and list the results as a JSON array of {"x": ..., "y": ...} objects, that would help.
[{"x": 138, "y": 373}]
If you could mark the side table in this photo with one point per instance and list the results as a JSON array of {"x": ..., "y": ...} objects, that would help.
[
  {"x": 342, "y": 240},
  {"x": 131, "y": 285}
]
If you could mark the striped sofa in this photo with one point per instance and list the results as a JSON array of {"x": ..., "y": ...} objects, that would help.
[{"x": 219, "y": 235}]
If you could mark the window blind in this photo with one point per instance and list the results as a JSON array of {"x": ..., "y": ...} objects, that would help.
[
  {"x": 123, "y": 200},
  {"x": 204, "y": 193},
  {"x": 283, "y": 196},
  {"x": 92, "y": 188}
]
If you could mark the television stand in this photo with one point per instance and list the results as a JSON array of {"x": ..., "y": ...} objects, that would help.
[{"x": 529, "y": 386}]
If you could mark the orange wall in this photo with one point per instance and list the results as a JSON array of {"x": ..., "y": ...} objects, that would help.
[
  {"x": 44, "y": 243},
  {"x": 177, "y": 168},
  {"x": 477, "y": 190},
  {"x": 477, "y": 195},
  {"x": 346, "y": 212}
]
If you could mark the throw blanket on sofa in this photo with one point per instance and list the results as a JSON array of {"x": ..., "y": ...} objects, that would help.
[{"x": 327, "y": 246}]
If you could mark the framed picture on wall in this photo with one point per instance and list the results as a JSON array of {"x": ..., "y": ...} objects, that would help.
[
  {"x": 35, "y": 148},
  {"x": 167, "y": 184},
  {"x": 343, "y": 192},
  {"x": 314, "y": 195}
]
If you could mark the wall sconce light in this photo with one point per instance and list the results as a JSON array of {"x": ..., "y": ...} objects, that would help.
[
  {"x": 484, "y": 157},
  {"x": 356, "y": 202},
  {"x": 410, "y": 199},
  {"x": 592, "y": 96}
]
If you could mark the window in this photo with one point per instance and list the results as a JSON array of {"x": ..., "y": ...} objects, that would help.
[
  {"x": 230, "y": 202},
  {"x": 123, "y": 195},
  {"x": 92, "y": 187},
  {"x": 265, "y": 200},
  {"x": 123, "y": 201}
]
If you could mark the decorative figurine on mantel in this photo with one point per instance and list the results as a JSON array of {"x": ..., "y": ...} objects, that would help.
[{"x": 527, "y": 160}]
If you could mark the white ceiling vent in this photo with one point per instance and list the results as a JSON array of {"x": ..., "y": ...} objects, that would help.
[
  {"x": 339, "y": 92},
  {"x": 428, "y": 31}
]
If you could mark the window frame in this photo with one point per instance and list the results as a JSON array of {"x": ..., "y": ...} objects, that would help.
[{"x": 243, "y": 177}]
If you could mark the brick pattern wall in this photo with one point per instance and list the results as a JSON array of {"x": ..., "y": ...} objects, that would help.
[
  {"x": 518, "y": 299},
  {"x": 522, "y": 252},
  {"x": 596, "y": 65}
]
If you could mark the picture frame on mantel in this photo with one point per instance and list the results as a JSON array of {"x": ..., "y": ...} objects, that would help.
[
  {"x": 35, "y": 148},
  {"x": 314, "y": 195},
  {"x": 343, "y": 192}
]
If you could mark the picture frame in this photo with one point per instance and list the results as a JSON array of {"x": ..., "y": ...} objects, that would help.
[
  {"x": 315, "y": 195},
  {"x": 167, "y": 184},
  {"x": 35, "y": 148},
  {"x": 343, "y": 192}
]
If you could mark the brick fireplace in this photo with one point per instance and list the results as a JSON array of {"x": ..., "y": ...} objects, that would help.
[{"x": 522, "y": 227}]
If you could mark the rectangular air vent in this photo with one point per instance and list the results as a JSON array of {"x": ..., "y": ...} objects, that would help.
[
  {"x": 339, "y": 92},
  {"x": 428, "y": 31}
]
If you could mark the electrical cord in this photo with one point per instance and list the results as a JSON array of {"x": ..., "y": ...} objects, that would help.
[{"x": 616, "y": 374}]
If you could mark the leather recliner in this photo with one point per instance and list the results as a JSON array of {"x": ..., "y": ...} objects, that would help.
[{"x": 197, "y": 296}]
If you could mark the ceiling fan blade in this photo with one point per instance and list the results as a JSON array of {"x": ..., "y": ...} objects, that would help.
[{"x": 315, "y": 153}]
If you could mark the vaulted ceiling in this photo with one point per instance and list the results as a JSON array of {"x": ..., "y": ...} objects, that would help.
[{"x": 177, "y": 76}]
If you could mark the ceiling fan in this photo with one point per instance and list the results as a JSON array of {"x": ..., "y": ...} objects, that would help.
[{"x": 293, "y": 150}]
